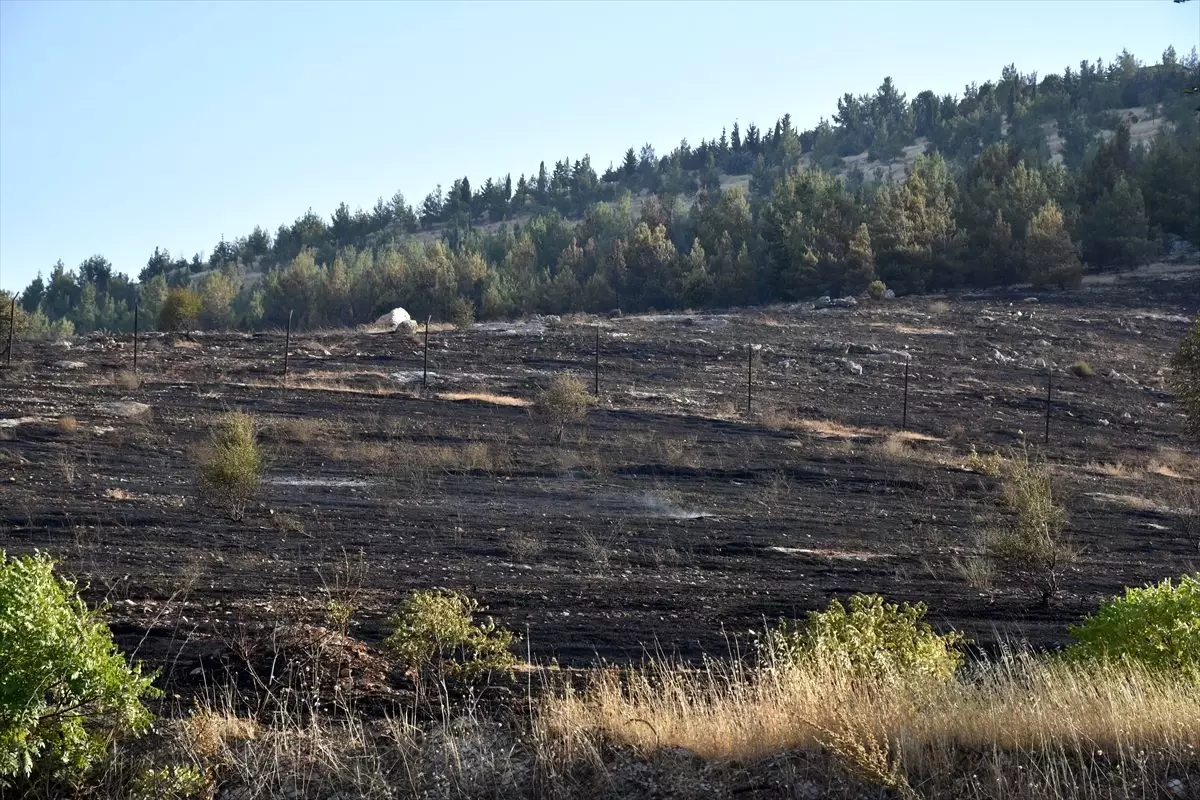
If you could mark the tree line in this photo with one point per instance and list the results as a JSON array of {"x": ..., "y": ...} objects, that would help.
[{"x": 986, "y": 204}]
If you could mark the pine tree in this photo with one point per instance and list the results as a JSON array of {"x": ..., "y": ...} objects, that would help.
[
  {"x": 630, "y": 164},
  {"x": 1050, "y": 255},
  {"x": 860, "y": 262},
  {"x": 1114, "y": 229}
]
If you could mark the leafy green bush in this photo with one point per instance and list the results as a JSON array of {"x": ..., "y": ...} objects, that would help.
[
  {"x": 462, "y": 313},
  {"x": 65, "y": 691},
  {"x": 872, "y": 639},
  {"x": 436, "y": 631},
  {"x": 1157, "y": 625},
  {"x": 230, "y": 467},
  {"x": 171, "y": 782},
  {"x": 565, "y": 400},
  {"x": 877, "y": 289},
  {"x": 180, "y": 310}
]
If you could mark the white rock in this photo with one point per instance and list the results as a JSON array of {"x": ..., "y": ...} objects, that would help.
[
  {"x": 126, "y": 409},
  {"x": 394, "y": 318},
  {"x": 70, "y": 364}
]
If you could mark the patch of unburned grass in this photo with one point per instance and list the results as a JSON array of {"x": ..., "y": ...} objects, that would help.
[
  {"x": 486, "y": 397},
  {"x": 1022, "y": 708}
]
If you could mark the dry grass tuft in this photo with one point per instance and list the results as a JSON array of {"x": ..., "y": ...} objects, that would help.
[
  {"x": 486, "y": 397},
  {"x": 824, "y": 428},
  {"x": 208, "y": 733},
  {"x": 127, "y": 380},
  {"x": 68, "y": 425},
  {"x": 1117, "y": 469}
]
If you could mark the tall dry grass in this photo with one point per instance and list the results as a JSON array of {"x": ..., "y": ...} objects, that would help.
[{"x": 1023, "y": 726}]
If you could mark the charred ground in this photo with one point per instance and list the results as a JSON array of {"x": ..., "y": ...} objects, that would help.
[{"x": 667, "y": 520}]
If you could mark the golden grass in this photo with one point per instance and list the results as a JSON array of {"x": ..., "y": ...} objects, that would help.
[
  {"x": 825, "y": 428},
  {"x": 1116, "y": 469},
  {"x": 486, "y": 397},
  {"x": 1020, "y": 704},
  {"x": 208, "y": 733},
  {"x": 920, "y": 331},
  {"x": 67, "y": 425},
  {"x": 1135, "y": 502}
]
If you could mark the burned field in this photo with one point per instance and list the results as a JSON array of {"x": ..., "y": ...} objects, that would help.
[{"x": 671, "y": 519}]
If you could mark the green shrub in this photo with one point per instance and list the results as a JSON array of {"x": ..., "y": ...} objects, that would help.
[
  {"x": 565, "y": 400},
  {"x": 230, "y": 467},
  {"x": 872, "y": 639},
  {"x": 1184, "y": 378},
  {"x": 171, "y": 782},
  {"x": 1082, "y": 369},
  {"x": 1033, "y": 545},
  {"x": 436, "y": 632},
  {"x": 180, "y": 310},
  {"x": 1157, "y": 625},
  {"x": 462, "y": 313},
  {"x": 877, "y": 289},
  {"x": 65, "y": 690}
]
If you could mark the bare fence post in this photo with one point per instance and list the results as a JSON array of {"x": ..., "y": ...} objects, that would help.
[
  {"x": 1049, "y": 389},
  {"x": 904, "y": 417},
  {"x": 749, "y": 379},
  {"x": 135, "y": 336},
  {"x": 425, "y": 368},
  {"x": 287, "y": 344},
  {"x": 596, "y": 385},
  {"x": 12, "y": 326}
]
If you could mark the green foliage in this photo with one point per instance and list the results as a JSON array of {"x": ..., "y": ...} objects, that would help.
[
  {"x": 436, "y": 632},
  {"x": 1050, "y": 255},
  {"x": 171, "y": 782},
  {"x": 565, "y": 400},
  {"x": 231, "y": 465},
  {"x": 180, "y": 309},
  {"x": 1185, "y": 376},
  {"x": 462, "y": 313},
  {"x": 872, "y": 639},
  {"x": 1157, "y": 625},
  {"x": 65, "y": 690},
  {"x": 1033, "y": 544},
  {"x": 984, "y": 206},
  {"x": 1082, "y": 369},
  {"x": 877, "y": 289}
]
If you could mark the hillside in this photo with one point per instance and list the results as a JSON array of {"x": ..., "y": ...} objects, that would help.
[{"x": 1028, "y": 178}]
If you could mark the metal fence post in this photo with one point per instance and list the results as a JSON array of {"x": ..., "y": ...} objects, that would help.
[
  {"x": 904, "y": 419},
  {"x": 12, "y": 326},
  {"x": 135, "y": 336},
  {"x": 425, "y": 368},
  {"x": 287, "y": 344},
  {"x": 749, "y": 379},
  {"x": 1049, "y": 389},
  {"x": 596, "y": 386}
]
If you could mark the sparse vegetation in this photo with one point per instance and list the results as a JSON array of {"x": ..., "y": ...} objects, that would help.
[
  {"x": 1082, "y": 369},
  {"x": 65, "y": 691},
  {"x": 68, "y": 425},
  {"x": 1033, "y": 544},
  {"x": 1185, "y": 376},
  {"x": 877, "y": 289},
  {"x": 231, "y": 465},
  {"x": 436, "y": 635},
  {"x": 565, "y": 400},
  {"x": 462, "y": 313}
]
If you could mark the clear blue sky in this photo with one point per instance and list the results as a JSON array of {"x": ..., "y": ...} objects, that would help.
[{"x": 125, "y": 126}]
